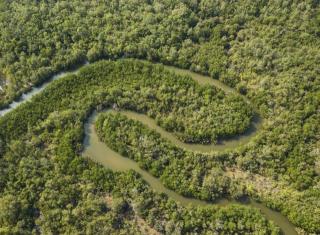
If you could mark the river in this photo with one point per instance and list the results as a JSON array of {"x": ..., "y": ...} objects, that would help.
[{"x": 99, "y": 152}]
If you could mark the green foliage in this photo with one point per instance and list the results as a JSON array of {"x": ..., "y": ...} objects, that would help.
[
  {"x": 177, "y": 103},
  {"x": 164, "y": 160},
  {"x": 53, "y": 124},
  {"x": 268, "y": 50},
  {"x": 62, "y": 192}
]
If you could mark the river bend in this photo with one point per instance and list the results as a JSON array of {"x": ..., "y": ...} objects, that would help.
[{"x": 99, "y": 152}]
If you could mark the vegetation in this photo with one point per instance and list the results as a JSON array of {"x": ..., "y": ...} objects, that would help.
[
  {"x": 49, "y": 188},
  {"x": 177, "y": 168},
  {"x": 52, "y": 125},
  {"x": 179, "y": 104},
  {"x": 268, "y": 50}
]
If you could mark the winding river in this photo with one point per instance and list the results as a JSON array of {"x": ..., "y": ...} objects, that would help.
[{"x": 99, "y": 152}]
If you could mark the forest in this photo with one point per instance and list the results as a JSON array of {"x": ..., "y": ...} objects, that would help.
[
  {"x": 266, "y": 50},
  {"x": 166, "y": 161},
  {"x": 43, "y": 138}
]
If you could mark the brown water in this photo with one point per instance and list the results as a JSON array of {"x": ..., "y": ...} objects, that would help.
[
  {"x": 223, "y": 145},
  {"x": 101, "y": 153},
  {"x": 203, "y": 80}
]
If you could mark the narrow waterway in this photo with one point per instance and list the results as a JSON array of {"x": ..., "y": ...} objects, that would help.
[
  {"x": 222, "y": 145},
  {"x": 99, "y": 152},
  {"x": 36, "y": 90}
]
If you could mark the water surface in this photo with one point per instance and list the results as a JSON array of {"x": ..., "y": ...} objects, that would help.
[{"x": 101, "y": 153}]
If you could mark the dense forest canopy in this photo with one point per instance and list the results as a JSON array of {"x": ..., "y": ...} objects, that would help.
[
  {"x": 53, "y": 189},
  {"x": 268, "y": 50}
]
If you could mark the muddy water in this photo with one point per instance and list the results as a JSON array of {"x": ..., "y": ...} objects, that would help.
[
  {"x": 101, "y": 153},
  {"x": 224, "y": 144},
  {"x": 221, "y": 146},
  {"x": 35, "y": 90}
]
